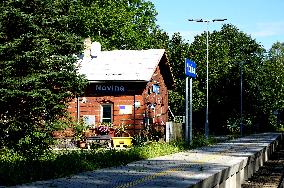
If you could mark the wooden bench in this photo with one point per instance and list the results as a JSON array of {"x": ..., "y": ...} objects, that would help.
[{"x": 102, "y": 140}]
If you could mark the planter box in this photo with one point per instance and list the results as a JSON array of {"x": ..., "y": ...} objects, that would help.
[{"x": 122, "y": 141}]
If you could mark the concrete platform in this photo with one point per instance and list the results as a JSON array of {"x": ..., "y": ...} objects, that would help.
[{"x": 225, "y": 165}]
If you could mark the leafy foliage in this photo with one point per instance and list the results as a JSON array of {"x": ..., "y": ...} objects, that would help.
[
  {"x": 269, "y": 87},
  {"x": 38, "y": 40},
  {"x": 179, "y": 50},
  {"x": 38, "y": 72},
  {"x": 233, "y": 49},
  {"x": 123, "y": 24},
  {"x": 228, "y": 49}
]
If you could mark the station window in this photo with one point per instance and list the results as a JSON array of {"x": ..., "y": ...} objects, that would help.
[{"x": 106, "y": 113}]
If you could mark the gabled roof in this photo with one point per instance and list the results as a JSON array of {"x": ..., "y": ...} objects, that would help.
[{"x": 122, "y": 65}]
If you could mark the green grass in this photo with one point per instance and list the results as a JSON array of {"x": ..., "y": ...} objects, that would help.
[
  {"x": 280, "y": 128},
  {"x": 15, "y": 169}
]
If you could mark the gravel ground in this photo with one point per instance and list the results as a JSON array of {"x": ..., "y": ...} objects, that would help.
[{"x": 271, "y": 174}]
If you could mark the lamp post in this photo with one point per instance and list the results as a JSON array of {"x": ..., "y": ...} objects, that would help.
[
  {"x": 241, "y": 96},
  {"x": 207, "y": 55},
  {"x": 241, "y": 86}
]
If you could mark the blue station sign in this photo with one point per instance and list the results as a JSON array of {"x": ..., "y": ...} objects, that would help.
[{"x": 190, "y": 68}]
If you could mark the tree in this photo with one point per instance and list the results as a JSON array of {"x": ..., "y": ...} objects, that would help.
[
  {"x": 262, "y": 80},
  {"x": 38, "y": 40},
  {"x": 37, "y": 69},
  {"x": 227, "y": 49},
  {"x": 179, "y": 50},
  {"x": 122, "y": 24},
  {"x": 177, "y": 53},
  {"x": 270, "y": 86}
]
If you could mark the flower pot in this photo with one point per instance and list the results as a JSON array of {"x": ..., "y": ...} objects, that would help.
[
  {"x": 125, "y": 134},
  {"x": 81, "y": 144},
  {"x": 122, "y": 141},
  {"x": 111, "y": 132}
]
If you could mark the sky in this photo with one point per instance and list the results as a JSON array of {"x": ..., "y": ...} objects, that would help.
[{"x": 263, "y": 20}]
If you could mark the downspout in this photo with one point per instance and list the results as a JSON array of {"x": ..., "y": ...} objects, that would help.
[
  {"x": 78, "y": 109},
  {"x": 134, "y": 114}
]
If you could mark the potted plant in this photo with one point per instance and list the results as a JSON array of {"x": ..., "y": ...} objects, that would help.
[
  {"x": 122, "y": 138},
  {"x": 121, "y": 131},
  {"x": 111, "y": 132},
  {"x": 80, "y": 137},
  {"x": 103, "y": 130}
]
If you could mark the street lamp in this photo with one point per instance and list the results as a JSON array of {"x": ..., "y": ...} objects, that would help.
[
  {"x": 241, "y": 98},
  {"x": 207, "y": 54},
  {"x": 241, "y": 77}
]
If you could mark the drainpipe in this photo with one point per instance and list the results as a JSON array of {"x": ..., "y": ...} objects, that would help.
[
  {"x": 78, "y": 109},
  {"x": 134, "y": 114}
]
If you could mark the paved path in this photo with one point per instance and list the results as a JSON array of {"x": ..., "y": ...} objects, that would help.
[{"x": 205, "y": 167}]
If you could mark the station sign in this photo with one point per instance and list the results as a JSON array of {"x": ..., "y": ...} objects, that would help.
[{"x": 190, "y": 68}]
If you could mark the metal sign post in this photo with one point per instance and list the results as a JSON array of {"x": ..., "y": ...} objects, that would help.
[
  {"x": 190, "y": 110},
  {"x": 190, "y": 71},
  {"x": 186, "y": 112}
]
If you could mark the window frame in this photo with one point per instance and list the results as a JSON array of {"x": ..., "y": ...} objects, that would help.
[{"x": 102, "y": 113}]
